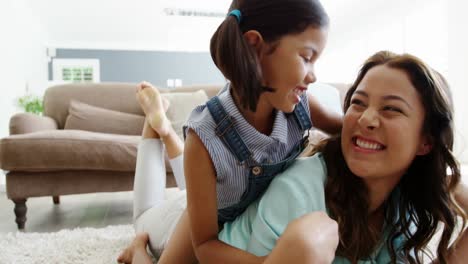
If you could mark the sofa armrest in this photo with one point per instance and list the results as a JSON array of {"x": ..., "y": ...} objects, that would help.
[{"x": 23, "y": 123}]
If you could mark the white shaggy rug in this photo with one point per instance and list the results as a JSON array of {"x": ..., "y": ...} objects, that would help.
[{"x": 81, "y": 245}]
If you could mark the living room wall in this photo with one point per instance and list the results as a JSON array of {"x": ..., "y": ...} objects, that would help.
[
  {"x": 458, "y": 77},
  {"x": 22, "y": 58},
  {"x": 153, "y": 66}
]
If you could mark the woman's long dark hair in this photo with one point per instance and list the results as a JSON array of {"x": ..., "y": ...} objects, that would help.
[
  {"x": 426, "y": 191},
  {"x": 273, "y": 19}
]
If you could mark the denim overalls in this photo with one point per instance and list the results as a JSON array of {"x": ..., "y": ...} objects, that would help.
[{"x": 260, "y": 175}]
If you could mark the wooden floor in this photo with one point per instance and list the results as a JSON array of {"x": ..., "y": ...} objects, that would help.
[{"x": 84, "y": 210}]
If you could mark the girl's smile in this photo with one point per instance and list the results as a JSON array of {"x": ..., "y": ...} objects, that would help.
[{"x": 297, "y": 93}]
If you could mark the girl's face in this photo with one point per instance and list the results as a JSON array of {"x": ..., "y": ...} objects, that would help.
[
  {"x": 382, "y": 128},
  {"x": 290, "y": 67}
]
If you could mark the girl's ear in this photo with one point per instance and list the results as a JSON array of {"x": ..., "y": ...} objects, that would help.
[
  {"x": 425, "y": 147},
  {"x": 255, "y": 39}
]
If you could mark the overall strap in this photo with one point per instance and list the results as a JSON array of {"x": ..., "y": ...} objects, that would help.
[
  {"x": 226, "y": 130},
  {"x": 301, "y": 117}
]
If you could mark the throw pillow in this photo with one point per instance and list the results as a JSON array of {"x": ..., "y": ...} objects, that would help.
[
  {"x": 96, "y": 119},
  {"x": 181, "y": 105},
  {"x": 327, "y": 95}
]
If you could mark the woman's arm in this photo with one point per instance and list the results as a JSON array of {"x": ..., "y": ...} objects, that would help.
[
  {"x": 460, "y": 253},
  {"x": 202, "y": 207},
  {"x": 323, "y": 118}
]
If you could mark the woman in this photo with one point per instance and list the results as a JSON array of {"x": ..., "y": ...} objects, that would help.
[{"x": 384, "y": 180}]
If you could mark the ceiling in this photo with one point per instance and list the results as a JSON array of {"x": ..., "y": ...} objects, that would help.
[
  {"x": 142, "y": 24},
  {"x": 139, "y": 24}
]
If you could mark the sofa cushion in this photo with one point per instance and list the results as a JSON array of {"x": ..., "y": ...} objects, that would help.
[
  {"x": 96, "y": 119},
  {"x": 68, "y": 150},
  {"x": 327, "y": 95},
  {"x": 181, "y": 105}
]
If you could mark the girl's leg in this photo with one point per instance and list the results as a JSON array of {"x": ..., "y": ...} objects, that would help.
[
  {"x": 154, "y": 214},
  {"x": 155, "y": 108},
  {"x": 150, "y": 175},
  {"x": 148, "y": 191},
  {"x": 177, "y": 165},
  {"x": 150, "y": 207},
  {"x": 179, "y": 248}
]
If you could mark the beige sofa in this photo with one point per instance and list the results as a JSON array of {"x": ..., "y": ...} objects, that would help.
[
  {"x": 87, "y": 139},
  {"x": 96, "y": 152}
]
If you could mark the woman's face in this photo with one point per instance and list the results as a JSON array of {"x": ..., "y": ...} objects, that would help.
[{"x": 382, "y": 128}]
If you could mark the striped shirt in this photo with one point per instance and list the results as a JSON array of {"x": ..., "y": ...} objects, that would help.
[{"x": 231, "y": 177}]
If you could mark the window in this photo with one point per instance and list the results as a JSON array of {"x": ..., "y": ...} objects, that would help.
[{"x": 76, "y": 70}]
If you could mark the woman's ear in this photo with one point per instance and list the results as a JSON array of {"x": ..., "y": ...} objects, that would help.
[
  {"x": 425, "y": 147},
  {"x": 255, "y": 39}
]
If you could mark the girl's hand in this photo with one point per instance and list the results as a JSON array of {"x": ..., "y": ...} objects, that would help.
[{"x": 312, "y": 238}]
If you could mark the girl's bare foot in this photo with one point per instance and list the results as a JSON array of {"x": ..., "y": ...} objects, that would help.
[
  {"x": 155, "y": 108},
  {"x": 139, "y": 243}
]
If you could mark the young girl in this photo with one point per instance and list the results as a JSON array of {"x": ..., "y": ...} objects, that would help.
[
  {"x": 384, "y": 180},
  {"x": 239, "y": 140}
]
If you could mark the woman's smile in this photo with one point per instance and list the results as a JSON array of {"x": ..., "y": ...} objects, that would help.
[{"x": 366, "y": 145}]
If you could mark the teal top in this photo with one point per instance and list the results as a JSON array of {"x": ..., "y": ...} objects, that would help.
[{"x": 297, "y": 191}]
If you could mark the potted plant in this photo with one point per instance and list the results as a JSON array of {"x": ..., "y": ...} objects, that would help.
[{"x": 31, "y": 104}]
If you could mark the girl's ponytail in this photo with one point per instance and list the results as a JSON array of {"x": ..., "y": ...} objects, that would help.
[{"x": 238, "y": 62}]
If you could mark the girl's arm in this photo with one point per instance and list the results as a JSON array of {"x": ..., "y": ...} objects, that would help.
[
  {"x": 323, "y": 118},
  {"x": 460, "y": 253},
  {"x": 291, "y": 222},
  {"x": 201, "y": 205},
  {"x": 312, "y": 238}
]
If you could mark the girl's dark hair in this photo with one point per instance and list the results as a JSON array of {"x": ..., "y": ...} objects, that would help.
[
  {"x": 426, "y": 191},
  {"x": 273, "y": 19}
]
